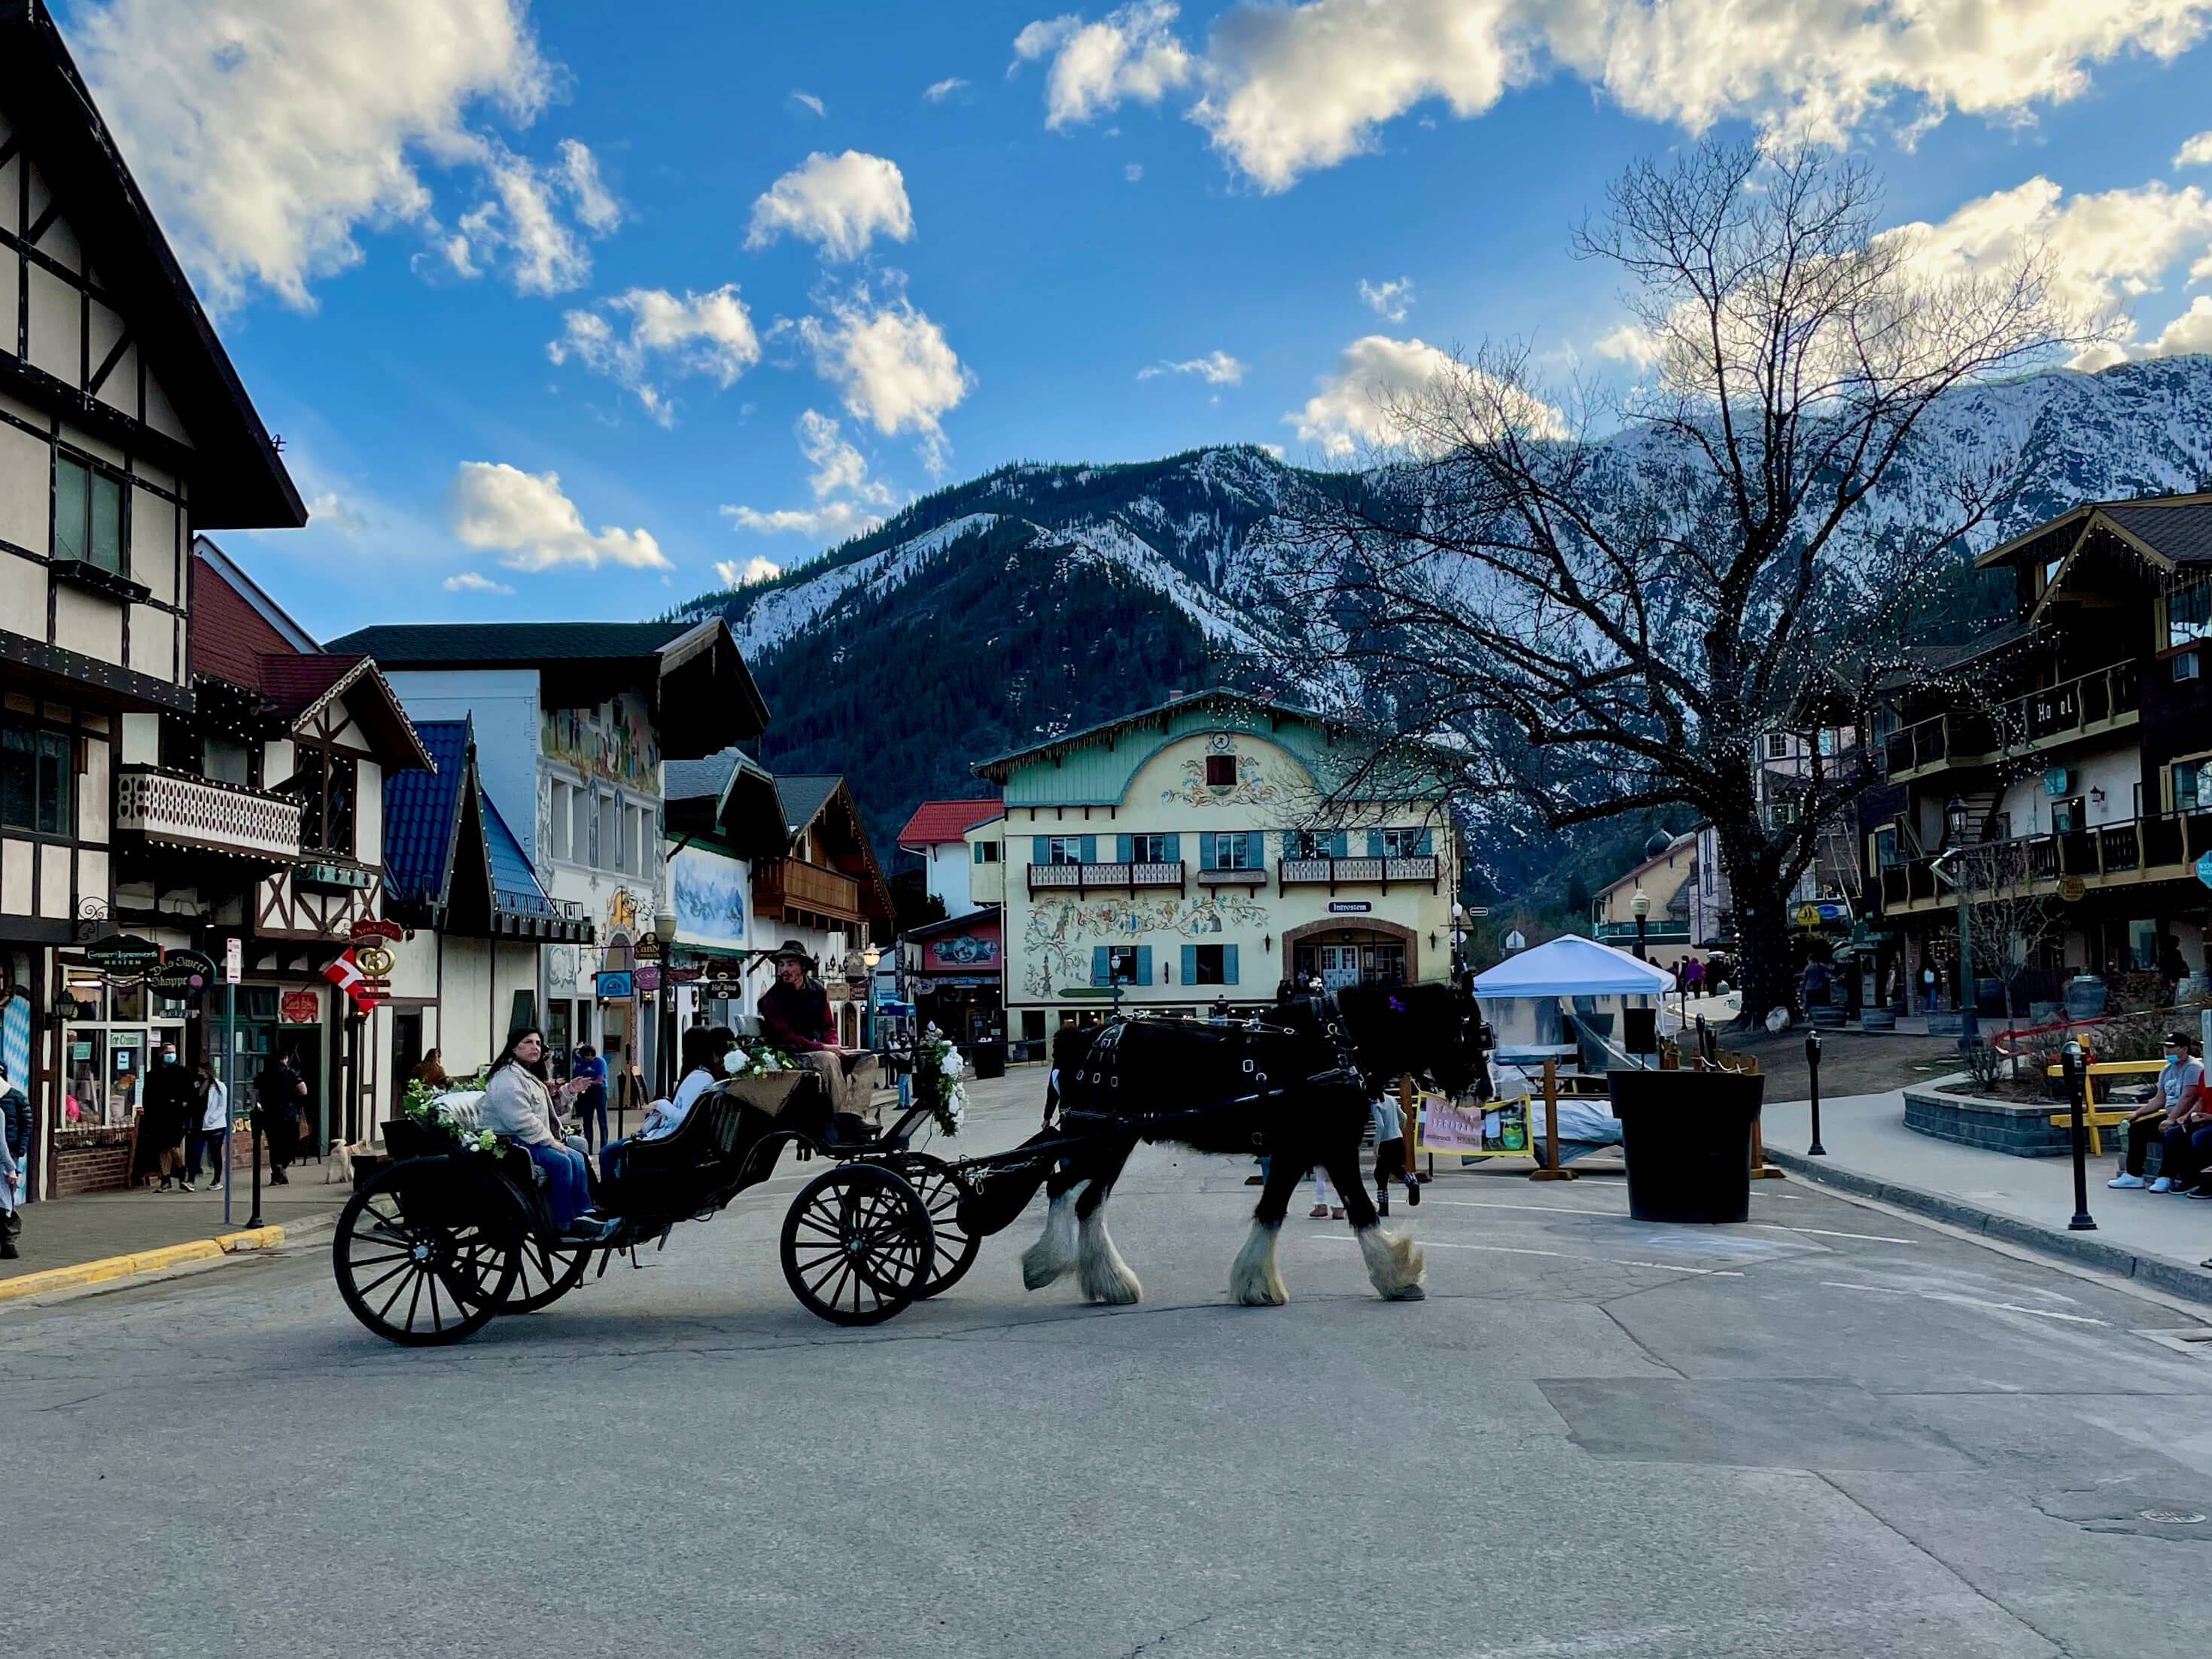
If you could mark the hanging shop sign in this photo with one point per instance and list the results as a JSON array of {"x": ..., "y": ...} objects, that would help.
[
  {"x": 613, "y": 986},
  {"x": 182, "y": 973},
  {"x": 682, "y": 976},
  {"x": 2073, "y": 888},
  {"x": 647, "y": 949},
  {"x": 646, "y": 977},
  {"x": 375, "y": 927},
  {"x": 299, "y": 1008},
  {"x": 123, "y": 954},
  {"x": 723, "y": 990}
]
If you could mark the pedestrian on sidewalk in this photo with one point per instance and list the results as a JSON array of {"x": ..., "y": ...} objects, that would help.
[
  {"x": 1392, "y": 1161},
  {"x": 164, "y": 1119},
  {"x": 211, "y": 1122},
  {"x": 15, "y": 1161},
  {"x": 431, "y": 1070},
  {"x": 2180, "y": 1091},
  {"x": 591, "y": 1104},
  {"x": 282, "y": 1092}
]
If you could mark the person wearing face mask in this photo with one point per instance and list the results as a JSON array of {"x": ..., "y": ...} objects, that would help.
[
  {"x": 163, "y": 1118},
  {"x": 2180, "y": 1091}
]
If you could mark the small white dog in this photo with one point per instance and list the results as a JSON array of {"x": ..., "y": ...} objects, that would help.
[{"x": 339, "y": 1165}]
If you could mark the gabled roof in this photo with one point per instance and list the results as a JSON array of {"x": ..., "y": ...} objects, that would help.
[
  {"x": 238, "y": 480},
  {"x": 1212, "y": 702},
  {"x": 936, "y": 820},
  {"x": 808, "y": 797},
  {"x": 422, "y": 813},
  {"x": 273, "y": 616},
  {"x": 702, "y": 695},
  {"x": 730, "y": 795},
  {"x": 300, "y": 687},
  {"x": 2171, "y": 531},
  {"x": 805, "y": 795}
]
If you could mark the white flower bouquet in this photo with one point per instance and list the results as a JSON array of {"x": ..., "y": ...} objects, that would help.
[{"x": 943, "y": 1071}]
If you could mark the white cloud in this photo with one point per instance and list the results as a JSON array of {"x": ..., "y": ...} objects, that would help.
[
  {"x": 840, "y": 203},
  {"x": 1133, "y": 172},
  {"x": 595, "y": 204},
  {"x": 269, "y": 132},
  {"x": 2194, "y": 152},
  {"x": 1388, "y": 300},
  {"x": 525, "y": 518},
  {"x": 808, "y": 100},
  {"x": 1289, "y": 87},
  {"x": 2190, "y": 331},
  {"x": 331, "y": 509},
  {"x": 845, "y": 497},
  {"x": 755, "y": 570},
  {"x": 2100, "y": 252},
  {"x": 1356, "y": 406},
  {"x": 1131, "y": 52},
  {"x": 1630, "y": 344},
  {"x": 710, "y": 334},
  {"x": 894, "y": 365},
  {"x": 470, "y": 582},
  {"x": 939, "y": 91},
  {"x": 1215, "y": 369}
]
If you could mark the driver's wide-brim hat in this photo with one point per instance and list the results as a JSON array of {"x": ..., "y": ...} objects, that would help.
[{"x": 791, "y": 950}]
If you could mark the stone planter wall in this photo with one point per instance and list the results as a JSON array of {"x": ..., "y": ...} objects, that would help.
[{"x": 1997, "y": 1126}]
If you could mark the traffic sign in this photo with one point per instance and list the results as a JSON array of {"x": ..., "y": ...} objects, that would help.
[{"x": 2205, "y": 869}]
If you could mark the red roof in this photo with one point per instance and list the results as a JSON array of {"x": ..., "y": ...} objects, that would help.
[
  {"x": 935, "y": 821},
  {"x": 296, "y": 682},
  {"x": 231, "y": 640}
]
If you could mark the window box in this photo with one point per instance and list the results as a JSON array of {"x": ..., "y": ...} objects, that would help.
[{"x": 83, "y": 573}]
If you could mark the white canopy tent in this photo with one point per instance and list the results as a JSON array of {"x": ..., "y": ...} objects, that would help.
[{"x": 1572, "y": 966}]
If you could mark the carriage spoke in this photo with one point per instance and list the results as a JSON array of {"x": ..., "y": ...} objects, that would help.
[{"x": 405, "y": 1262}]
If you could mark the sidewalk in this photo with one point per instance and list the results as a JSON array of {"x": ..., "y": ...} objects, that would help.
[
  {"x": 68, "y": 1232},
  {"x": 2160, "y": 1240}
]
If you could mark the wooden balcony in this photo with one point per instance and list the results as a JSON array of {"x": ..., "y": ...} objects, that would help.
[
  {"x": 2162, "y": 847},
  {"x": 2090, "y": 705},
  {"x": 175, "y": 809},
  {"x": 1333, "y": 873},
  {"x": 784, "y": 887},
  {"x": 1104, "y": 877}
]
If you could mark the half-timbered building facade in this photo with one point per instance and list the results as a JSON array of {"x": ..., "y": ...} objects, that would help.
[{"x": 123, "y": 427}]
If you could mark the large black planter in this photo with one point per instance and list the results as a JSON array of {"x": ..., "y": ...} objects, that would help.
[
  {"x": 990, "y": 1059},
  {"x": 1687, "y": 1138}
]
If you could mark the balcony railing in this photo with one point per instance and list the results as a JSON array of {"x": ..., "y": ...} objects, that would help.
[
  {"x": 178, "y": 810},
  {"x": 781, "y": 884},
  {"x": 1112, "y": 876},
  {"x": 2097, "y": 702},
  {"x": 2161, "y": 848},
  {"x": 1366, "y": 871}
]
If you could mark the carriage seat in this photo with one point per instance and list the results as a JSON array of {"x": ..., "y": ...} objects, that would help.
[{"x": 463, "y": 1109}]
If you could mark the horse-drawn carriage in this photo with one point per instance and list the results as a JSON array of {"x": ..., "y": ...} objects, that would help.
[{"x": 446, "y": 1236}]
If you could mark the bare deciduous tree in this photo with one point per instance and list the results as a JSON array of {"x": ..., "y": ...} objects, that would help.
[{"x": 1606, "y": 605}]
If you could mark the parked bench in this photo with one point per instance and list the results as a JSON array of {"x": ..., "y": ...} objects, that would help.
[{"x": 2095, "y": 1118}]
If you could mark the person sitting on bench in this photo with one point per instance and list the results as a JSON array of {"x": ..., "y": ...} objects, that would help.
[
  {"x": 2166, "y": 1119},
  {"x": 704, "y": 1048},
  {"x": 795, "y": 1015}
]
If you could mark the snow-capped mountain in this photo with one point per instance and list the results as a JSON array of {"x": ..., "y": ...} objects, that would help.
[{"x": 1037, "y": 598}]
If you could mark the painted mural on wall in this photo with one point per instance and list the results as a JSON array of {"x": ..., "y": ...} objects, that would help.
[
  {"x": 962, "y": 950},
  {"x": 614, "y": 742},
  {"x": 1058, "y": 937},
  {"x": 710, "y": 899},
  {"x": 1253, "y": 787}
]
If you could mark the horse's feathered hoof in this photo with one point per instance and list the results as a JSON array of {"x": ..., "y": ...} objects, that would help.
[
  {"x": 1394, "y": 1267},
  {"x": 1254, "y": 1279},
  {"x": 1053, "y": 1256},
  {"x": 1104, "y": 1276}
]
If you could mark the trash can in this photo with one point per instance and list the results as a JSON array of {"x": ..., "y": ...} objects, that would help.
[
  {"x": 1686, "y": 1136},
  {"x": 989, "y": 1058}
]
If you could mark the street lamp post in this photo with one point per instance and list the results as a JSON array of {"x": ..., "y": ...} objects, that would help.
[
  {"x": 1640, "y": 907},
  {"x": 1970, "y": 1028}
]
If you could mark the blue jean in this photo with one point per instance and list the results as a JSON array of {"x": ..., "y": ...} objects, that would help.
[
  {"x": 593, "y": 1104},
  {"x": 215, "y": 1143},
  {"x": 568, "y": 1181}
]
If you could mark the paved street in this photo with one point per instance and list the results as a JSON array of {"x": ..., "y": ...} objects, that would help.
[{"x": 1831, "y": 1431}]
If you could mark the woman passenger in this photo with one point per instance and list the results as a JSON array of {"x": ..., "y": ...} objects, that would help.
[
  {"x": 518, "y": 1104},
  {"x": 704, "y": 1048}
]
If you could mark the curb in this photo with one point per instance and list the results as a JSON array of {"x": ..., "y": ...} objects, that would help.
[
  {"x": 141, "y": 1263},
  {"x": 2160, "y": 1273}
]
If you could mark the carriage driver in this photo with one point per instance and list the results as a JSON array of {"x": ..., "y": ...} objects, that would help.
[{"x": 795, "y": 1015}]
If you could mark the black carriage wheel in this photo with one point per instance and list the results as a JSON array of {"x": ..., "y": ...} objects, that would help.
[
  {"x": 941, "y": 1191},
  {"x": 857, "y": 1244},
  {"x": 424, "y": 1251},
  {"x": 544, "y": 1271}
]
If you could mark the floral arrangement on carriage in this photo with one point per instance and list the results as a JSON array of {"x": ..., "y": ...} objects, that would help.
[
  {"x": 760, "y": 1075},
  {"x": 940, "y": 1077},
  {"x": 443, "y": 1115}
]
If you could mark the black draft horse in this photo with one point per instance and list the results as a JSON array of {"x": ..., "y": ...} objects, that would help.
[{"x": 1293, "y": 1085}]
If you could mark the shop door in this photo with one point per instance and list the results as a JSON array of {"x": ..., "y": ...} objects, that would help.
[
  {"x": 406, "y": 1052},
  {"x": 1340, "y": 966}
]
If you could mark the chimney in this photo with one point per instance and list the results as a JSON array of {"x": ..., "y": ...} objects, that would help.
[{"x": 1175, "y": 696}]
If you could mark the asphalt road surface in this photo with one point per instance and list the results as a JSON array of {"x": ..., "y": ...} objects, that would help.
[{"x": 1829, "y": 1431}]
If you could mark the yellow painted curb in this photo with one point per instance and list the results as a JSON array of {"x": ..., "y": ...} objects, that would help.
[{"x": 142, "y": 1261}]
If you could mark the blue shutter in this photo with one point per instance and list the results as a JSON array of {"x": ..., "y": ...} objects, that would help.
[
  {"x": 1374, "y": 843},
  {"x": 1120, "y": 849},
  {"x": 1039, "y": 852},
  {"x": 1229, "y": 964},
  {"x": 1425, "y": 848},
  {"x": 1101, "y": 968},
  {"x": 1339, "y": 845},
  {"x": 1143, "y": 964},
  {"x": 1175, "y": 849},
  {"x": 1255, "y": 849},
  {"x": 1205, "y": 850},
  {"x": 1190, "y": 964},
  {"x": 1090, "y": 849}
]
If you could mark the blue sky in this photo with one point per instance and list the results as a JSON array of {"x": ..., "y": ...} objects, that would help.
[{"x": 402, "y": 211}]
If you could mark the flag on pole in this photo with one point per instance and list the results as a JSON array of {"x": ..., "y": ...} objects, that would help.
[{"x": 345, "y": 973}]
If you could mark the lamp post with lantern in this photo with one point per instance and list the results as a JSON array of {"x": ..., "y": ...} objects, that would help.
[{"x": 1640, "y": 907}]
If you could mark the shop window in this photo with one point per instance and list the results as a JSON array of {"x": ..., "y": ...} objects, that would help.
[
  {"x": 88, "y": 515},
  {"x": 38, "y": 781}
]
